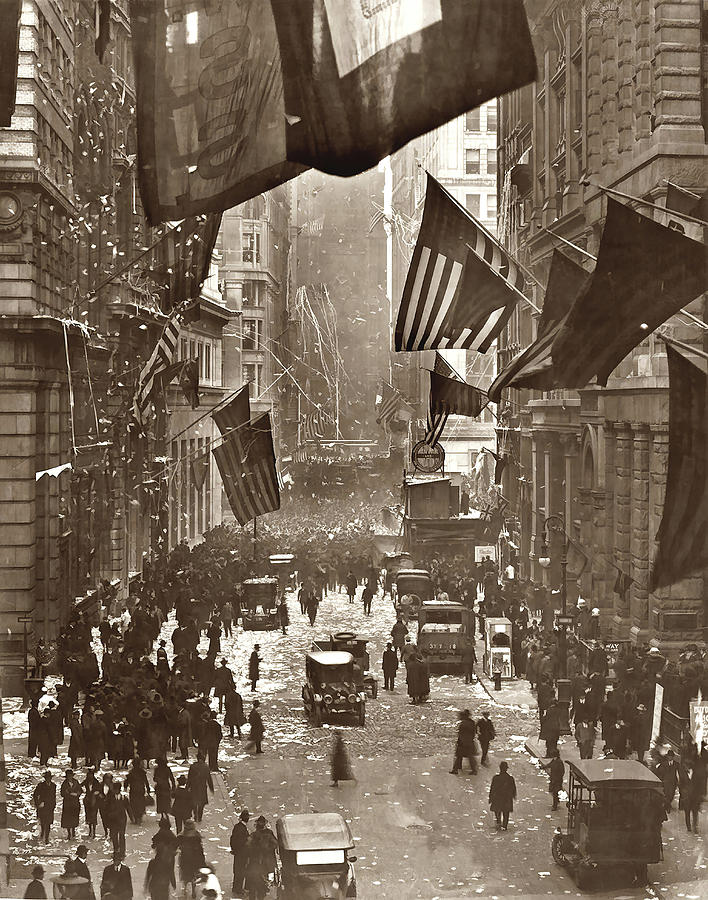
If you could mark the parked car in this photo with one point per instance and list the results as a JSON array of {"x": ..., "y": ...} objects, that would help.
[{"x": 330, "y": 691}]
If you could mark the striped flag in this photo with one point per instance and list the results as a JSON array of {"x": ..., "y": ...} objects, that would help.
[
  {"x": 235, "y": 414},
  {"x": 437, "y": 418},
  {"x": 454, "y": 397},
  {"x": 10, "y": 11},
  {"x": 461, "y": 287},
  {"x": 160, "y": 360},
  {"x": 683, "y": 533},
  {"x": 312, "y": 427},
  {"x": 248, "y": 471},
  {"x": 182, "y": 259},
  {"x": 390, "y": 401}
]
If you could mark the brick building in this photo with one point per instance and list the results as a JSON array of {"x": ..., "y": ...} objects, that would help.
[{"x": 621, "y": 99}]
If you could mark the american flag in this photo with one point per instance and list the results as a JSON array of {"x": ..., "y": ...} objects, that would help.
[
  {"x": 246, "y": 461},
  {"x": 160, "y": 359},
  {"x": 235, "y": 414},
  {"x": 390, "y": 401},
  {"x": 437, "y": 419},
  {"x": 312, "y": 428},
  {"x": 461, "y": 287}
]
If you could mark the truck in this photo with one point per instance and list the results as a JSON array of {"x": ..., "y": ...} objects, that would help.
[
  {"x": 444, "y": 627},
  {"x": 259, "y": 604}
]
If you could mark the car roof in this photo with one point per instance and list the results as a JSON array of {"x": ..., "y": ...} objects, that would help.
[
  {"x": 331, "y": 657},
  {"x": 432, "y": 604},
  {"x": 413, "y": 572},
  {"x": 314, "y": 831},
  {"x": 268, "y": 580},
  {"x": 614, "y": 773}
]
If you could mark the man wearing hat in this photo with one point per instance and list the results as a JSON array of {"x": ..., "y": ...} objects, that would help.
[
  {"x": 466, "y": 747},
  {"x": 239, "y": 851},
  {"x": 82, "y": 870},
  {"x": 44, "y": 799},
  {"x": 256, "y": 724},
  {"x": 486, "y": 733},
  {"x": 254, "y": 663},
  {"x": 116, "y": 879},
  {"x": 35, "y": 889}
]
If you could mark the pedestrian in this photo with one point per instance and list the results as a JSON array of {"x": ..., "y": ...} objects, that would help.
[
  {"x": 223, "y": 682},
  {"x": 351, "y": 584},
  {"x": 302, "y": 595},
  {"x": 160, "y": 874},
  {"x": 76, "y": 739},
  {"x": 585, "y": 738},
  {"x": 502, "y": 793},
  {"x": 367, "y": 595},
  {"x": 183, "y": 803},
  {"x": 486, "y": 733},
  {"x": 227, "y": 616},
  {"x": 191, "y": 855},
  {"x": 261, "y": 859},
  {"x": 469, "y": 658},
  {"x": 138, "y": 790},
  {"x": 80, "y": 867},
  {"x": 35, "y": 890},
  {"x": 92, "y": 792},
  {"x": 389, "y": 664},
  {"x": 118, "y": 808},
  {"x": 46, "y": 743},
  {"x": 164, "y": 837},
  {"x": 239, "y": 851},
  {"x": 692, "y": 790},
  {"x": 184, "y": 732},
  {"x": 312, "y": 606},
  {"x": 34, "y": 721},
  {"x": 550, "y": 727},
  {"x": 667, "y": 771},
  {"x": 55, "y": 723},
  {"x": 233, "y": 715},
  {"x": 254, "y": 667},
  {"x": 339, "y": 765},
  {"x": 199, "y": 782},
  {"x": 162, "y": 664},
  {"x": 556, "y": 773},
  {"x": 466, "y": 745},
  {"x": 104, "y": 801},
  {"x": 283, "y": 616},
  {"x": 116, "y": 880},
  {"x": 164, "y": 782},
  {"x": 71, "y": 807},
  {"x": 398, "y": 633},
  {"x": 210, "y": 740},
  {"x": 256, "y": 725}
]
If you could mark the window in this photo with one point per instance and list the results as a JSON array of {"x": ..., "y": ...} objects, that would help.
[
  {"x": 491, "y": 206},
  {"x": 473, "y": 120},
  {"x": 252, "y": 334},
  {"x": 472, "y": 203},
  {"x": 471, "y": 161},
  {"x": 491, "y": 161},
  {"x": 251, "y": 293},
  {"x": 251, "y": 246},
  {"x": 253, "y": 374},
  {"x": 207, "y": 361},
  {"x": 183, "y": 348},
  {"x": 492, "y": 119}
]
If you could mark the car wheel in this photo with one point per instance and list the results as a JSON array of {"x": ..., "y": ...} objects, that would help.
[{"x": 557, "y": 850}]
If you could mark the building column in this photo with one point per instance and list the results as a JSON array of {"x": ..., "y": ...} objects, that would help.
[
  {"x": 570, "y": 455},
  {"x": 626, "y": 56},
  {"x": 533, "y": 549},
  {"x": 593, "y": 85},
  {"x": 640, "y": 525},
  {"x": 623, "y": 508},
  {"x": 677, "y": 68},
  {"x": 643, "y": 67},
  {"x": 658, "y": 469},
  {"x": 610, "y": 82}
]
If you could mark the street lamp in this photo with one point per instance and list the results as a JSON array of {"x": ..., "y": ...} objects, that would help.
[{"x": 557, "y": 524}]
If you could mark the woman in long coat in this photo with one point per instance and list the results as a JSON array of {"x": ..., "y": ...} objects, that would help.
[
  {"x": 104, "y": 802},
  {"x": 502, "y": 793},
  {"x": 71, "y": 808},
  {"x": 164, "y": 782},
  {"x": 92, "y": 795},
  {"x": 138, "y": 790}
]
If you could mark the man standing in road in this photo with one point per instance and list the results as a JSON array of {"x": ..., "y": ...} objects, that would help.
[
  {"x": 466, "y": 747},
  {"x": 211, "y": 738},
  {"x": 389, "y": 663},
  {"x": 486, "y": 733},
  {"x": 398, "y": 633},
  {"x": 556, "y": 773},
  {"x": 367, "y": 595},
  {"x": 239, "y": 851},
  {"x": 223, "y": 682},
  {"x": 502, "y": 793},
  {"x": 116, "y": 879},
  {"x": 45, "y": 801},
  {"x": 199, "y": 781},
  {"x": 312, "y": 605},
  {"x": 351, "y": 585},
  {"x": 256, "y": 723},
  {"x": 254, "y": 664}
]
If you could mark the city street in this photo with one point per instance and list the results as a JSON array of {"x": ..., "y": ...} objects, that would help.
[{"x": 419, "y": 831}]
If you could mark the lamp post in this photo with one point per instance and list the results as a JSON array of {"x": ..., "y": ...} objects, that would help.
[{"x": 557, "y": 524}]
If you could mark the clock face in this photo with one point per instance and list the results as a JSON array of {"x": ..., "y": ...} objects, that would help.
[
  {"x": 10, "y": 208},
  {"x": 427, "y": 458}
]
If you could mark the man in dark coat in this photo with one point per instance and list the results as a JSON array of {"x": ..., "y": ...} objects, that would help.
[
  {"x": 199, "y": 782},
  {"x": 367, "y": 595},
  {"x": 469, "y": 658},
  {"x": 211, "y": 738},
  {"x": 550, "y": 727},
  {"x": 389, "y": 663},
  {"x": 351, "y": 586},
  {"x": 34, "y": 719},
  {"x": 182, "y": 804},
  {"x": 239, "y": 851},
  {"x": 233, "y": 714},
  {"x": 502, "y": 793},
  {"x": 223, "y": 682},
  {"x": 312, "y": 606},
  {"x": 466, "y": 746},
  {"x": 486, "y": 733},
  {"x": 667, "y": 771},
  {"x": 398, "y": 633},
  {"x": 256, "y": 724},
  {"x": 116, "y": 879},
  {"x": 44, "y": 799},
  {"x": 254, "y": 663},
  {"x": 56, "y": 723},
  {"x": 556, "y": 773},
  {"x": 80, "y": 868}
]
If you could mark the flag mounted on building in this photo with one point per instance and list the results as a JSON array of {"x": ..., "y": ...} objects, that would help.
[
  {"x": 248, "y": 470},
  {"x": 187, "y": 372},
  {"x": 10, "y": 12},
  {"x": 456, "y": 398},
  {"x": 235, "y": 414},
  {"x": 436, "y": 421},
  {"x": 313, "y": 426},
  {"x": 530, "y": 369},
  {"x": 361, "y": 79},
  {"x": 461, "y": 287},
  {"x": 236, "y": 98},
  {"x": 159, "y": 361},
  {"x": 182, "y": 259},
  {"x": 391, "y": 399},
  {"x": 103, "y": 27},
  {"x": 683, "y": 533}
]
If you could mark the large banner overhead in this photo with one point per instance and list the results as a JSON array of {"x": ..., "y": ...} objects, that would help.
[{"x": 10, "y": 11}]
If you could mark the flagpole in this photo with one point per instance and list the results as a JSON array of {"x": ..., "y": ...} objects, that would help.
[
  {"x": 509, "y": 284},
  {"x": 634, "y": 199},
  {"x": 255, "y": 534}
]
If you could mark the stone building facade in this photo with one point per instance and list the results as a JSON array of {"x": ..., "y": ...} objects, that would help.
[{"x": 620, "y": 102}]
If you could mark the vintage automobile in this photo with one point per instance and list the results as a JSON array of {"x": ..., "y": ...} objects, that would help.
[
  {"x": 443, "y": 630},
  {"x": 282, "y": 565},
  {"x": 355, "y": 644},
  {"x": 313, "y": 849},
  {"x": 330, "y": 691},
  {"x": 413, "y": 587},
  {"x": 259, "y": 607},
  {"x": 615, "y": 811}
]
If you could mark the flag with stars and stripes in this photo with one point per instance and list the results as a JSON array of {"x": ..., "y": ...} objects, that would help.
[
  {"x": 462, "y": 286},
  {"x": 160, "y": 360},
  {"x": 437, "y": 417},
  {"x": 246, "y": 462},
  {"x": 312, "y": 427},
  {"x": 391, "y": 399},
  {"x": 235, "y": 414}
]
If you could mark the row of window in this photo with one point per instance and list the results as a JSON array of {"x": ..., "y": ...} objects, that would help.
[
  {"x": 204, "y": 350},
  {"x": 473, "y": 120},
  {"x": 190, "y": 502},
  {"x": 473, "y": 204},
  {"x": 252, "y": 373},
  {"x": 473, "y": 158}
]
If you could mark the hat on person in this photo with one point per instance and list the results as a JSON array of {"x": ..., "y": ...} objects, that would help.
[
  {"x": 465, "y": 714},
  {"x": 47, "y": 774},
  {"x": 261, "y": 820},
  {"x": 245, "y": 815},
  {"x": 256, "y": 646},
  {"x": 38, "y": 872},
  {"x": 82, "y": 850},
  {"x": 118, "y": 856}
]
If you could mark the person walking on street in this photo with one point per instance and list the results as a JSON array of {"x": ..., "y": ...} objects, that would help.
[
  {"x": 261, "y": 860},
  {"x": 160, "y": 874},
  {"x": 227, "y": 616},
  {"x": 389, "y": 663},
  {"x": 211, "y": 738},
  {"x": 256, "y": 725},
  {"x": 80, "y": 868},
  {"x": 34, "y": 721},
  {"x": 239, "y": 851},
  {"x": 71, "y": 807},
  {"x": 254, "y": 670},
  {"x": 223, "y": 682},
  {"x": 35, "y": 890},
  {"x": 116, "y": 881},
  {"x": 182, "y": 804},
  {"x": 585, "y": 738},
  {"x": 233, "y": 712},
  {"x": 312, "y": 605},
  {"x": 502, "y": 793},
  {"x": 556, "y": 774},
  {"x": 165, "y": 786},
  {"x": 138, "y": 790},
  {"x": 283, "y": 616},
  {"x": 550, "y": 728},
  {"x": 367, "y": 595},
  {"x": 486, "y": 733},
  {"x": 667, "y": 771},
  {"x": 469, "y": 658},
  {"x": 466, "y": 746},
  {"x": 117, "y": 814},
  {"x": 191, "y": 856},
  {"x": 44, "y": 799},
  {"x": 199, "y": 782},
  {"x": 351, "y": 585},
  {"x": 398, "y": 633}
]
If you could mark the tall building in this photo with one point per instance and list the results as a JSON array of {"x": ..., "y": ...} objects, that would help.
[
  {"x": 620, "y": 101},
  {"x": 462, "y": 156}
]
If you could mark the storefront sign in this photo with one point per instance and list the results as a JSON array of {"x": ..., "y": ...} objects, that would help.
[
  {"x": 428, "y": 458},
  {"x": 658, "y": 705},
  {"x": 481, "y": 552},
  {"x": 699, "y": 721}
]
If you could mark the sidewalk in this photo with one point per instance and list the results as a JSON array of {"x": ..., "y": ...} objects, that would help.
[
  {"x": 566, "y": 745},
  {"x": 514, "y": 691}
]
